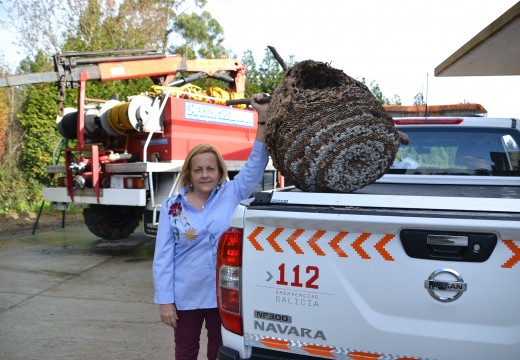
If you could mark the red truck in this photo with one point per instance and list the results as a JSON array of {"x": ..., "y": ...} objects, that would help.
[{"x": 128, "y": 154}]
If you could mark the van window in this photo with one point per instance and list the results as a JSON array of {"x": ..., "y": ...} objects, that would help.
[{"x": 458, "y": 151}]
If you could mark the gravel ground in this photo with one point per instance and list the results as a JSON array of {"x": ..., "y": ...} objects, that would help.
[{"x": 17, "y": 225}]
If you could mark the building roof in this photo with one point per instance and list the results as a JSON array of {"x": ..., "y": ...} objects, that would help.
[{"x": 492, "y": 52}]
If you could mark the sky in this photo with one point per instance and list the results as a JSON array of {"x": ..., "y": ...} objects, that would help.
[{"x": 396, "y": 43}]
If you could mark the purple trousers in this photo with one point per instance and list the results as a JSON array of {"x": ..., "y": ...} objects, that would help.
[{"x": 187, "y": 333}]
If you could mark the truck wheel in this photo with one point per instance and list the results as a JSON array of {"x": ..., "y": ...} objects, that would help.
[{"x": 112, "y": 222}]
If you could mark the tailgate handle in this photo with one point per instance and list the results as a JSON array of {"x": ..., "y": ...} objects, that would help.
[
  {"x": 447, "y": 240},
  {"x": 442, "y": 244}
]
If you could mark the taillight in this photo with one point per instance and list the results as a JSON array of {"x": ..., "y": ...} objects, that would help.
[
  {"x": 127, "y": 182},
  {"x": 133, "y": 183},
  {"x": 229, "y": 294},
  {"x": 229, "y": 262}
]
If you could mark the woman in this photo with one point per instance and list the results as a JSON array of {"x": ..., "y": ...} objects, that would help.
[{"x": 190, "y": 226}]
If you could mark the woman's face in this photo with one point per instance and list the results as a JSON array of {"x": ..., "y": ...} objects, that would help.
[{"x": 204, "y": 174}]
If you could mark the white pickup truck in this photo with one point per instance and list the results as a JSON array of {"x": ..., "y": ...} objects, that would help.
[{"x": 422, "y": 264}]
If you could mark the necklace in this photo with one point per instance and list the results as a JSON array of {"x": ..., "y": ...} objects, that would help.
[{"x": 198, "y": 202}]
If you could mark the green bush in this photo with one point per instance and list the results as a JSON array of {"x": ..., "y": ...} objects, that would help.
[{"x": 17, "y": 192}]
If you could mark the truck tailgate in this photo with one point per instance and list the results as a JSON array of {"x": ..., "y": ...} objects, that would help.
[{"x": 356, "y": 286}]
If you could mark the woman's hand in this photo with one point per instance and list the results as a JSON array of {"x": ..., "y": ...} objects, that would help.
[
  {"x": 260, "y": 102},
  {"x": 168, "y": 314}
]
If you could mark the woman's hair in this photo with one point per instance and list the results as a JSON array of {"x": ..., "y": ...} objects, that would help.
[{"x": 201, "y": 149}]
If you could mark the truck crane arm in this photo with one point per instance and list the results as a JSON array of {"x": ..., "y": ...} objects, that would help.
[
  {"x": 130, "y": 64},
  {"x": 71, "y": 67}
]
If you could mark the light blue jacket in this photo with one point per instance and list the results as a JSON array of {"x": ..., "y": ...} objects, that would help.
[{"x": 185, "y": 260}]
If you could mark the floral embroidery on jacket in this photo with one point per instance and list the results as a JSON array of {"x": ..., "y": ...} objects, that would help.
[
  {"x": 190, "y": 234},
  {"x": 175, "y": 212}
]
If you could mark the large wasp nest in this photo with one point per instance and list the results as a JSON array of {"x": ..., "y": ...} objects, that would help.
[{"x": 326, "y": 131}]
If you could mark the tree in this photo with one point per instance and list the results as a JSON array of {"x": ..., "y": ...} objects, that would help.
[
  {"x": 378, "y": 93},
  {"x": 4, "y": 119},
  {"x": 11, "y": 131},
  {"x": 38, "y": 120},
  {"x": 201, "y": 35},
  {"x": 100, "y": 25},
  {"x": 37, "y": 24},
  {"x": 252, "y": 73},
  {"x": 79, "y": 25},
  {"x": 16, "y": 189},
  {"x": 266, "y": 78},
  {"x": 271, "y": 73},
  {"x": 418, "y": 99},
  {"x": 396, "y": 100}
]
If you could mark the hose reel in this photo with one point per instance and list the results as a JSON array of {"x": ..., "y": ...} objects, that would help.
[
  {"x": 113, "y": 118},
  {"x": 123, "y": 118}
]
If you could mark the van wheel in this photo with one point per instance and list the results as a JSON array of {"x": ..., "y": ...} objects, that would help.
[{"x": 112, "y": 222}]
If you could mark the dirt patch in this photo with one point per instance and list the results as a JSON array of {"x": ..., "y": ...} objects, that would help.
[{"x": 21, "y": 224}]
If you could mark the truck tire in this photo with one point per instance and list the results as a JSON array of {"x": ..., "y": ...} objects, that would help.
[{"x": 112, "y": 222}]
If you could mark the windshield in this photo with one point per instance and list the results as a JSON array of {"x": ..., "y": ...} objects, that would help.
[{"x": 458, "y": 151}]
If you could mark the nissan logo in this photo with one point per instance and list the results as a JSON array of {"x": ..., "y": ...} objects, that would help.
[{"x": 445, "y": 285}]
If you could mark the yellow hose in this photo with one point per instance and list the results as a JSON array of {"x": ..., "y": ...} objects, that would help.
[
  {"x": 118, "y": 119},
  {"x": 192, "y": 92}
]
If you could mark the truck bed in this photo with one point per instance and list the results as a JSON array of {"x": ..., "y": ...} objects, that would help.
[
  {"x": 351, "y": 276},
  {"x": 417, "y": 200}
]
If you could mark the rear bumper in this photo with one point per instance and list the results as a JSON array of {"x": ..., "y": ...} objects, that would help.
[
  {"x": 226, "y": 353},
  {"x": 130, "y": 197}
]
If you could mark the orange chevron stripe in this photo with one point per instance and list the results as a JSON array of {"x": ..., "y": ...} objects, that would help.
[
  {"x": 314, "y": 239},
  {"x": 319, "y": 350},
  {"x": 334, "y": 244},
  {"x": 516, "y": 254},
  {"x": 271, "y": 239},
  {"x": 276, "y": 344},
  {"x": 380, "y": 247},
  {"x": 292, "y": 241},
  {"x": 252, "y": 238},
  {"x": 356, "y": 245},
  {"x": 359, "y": 355}
]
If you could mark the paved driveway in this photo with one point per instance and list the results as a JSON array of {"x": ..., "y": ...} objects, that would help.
[{"x": 64, "y": 294}]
